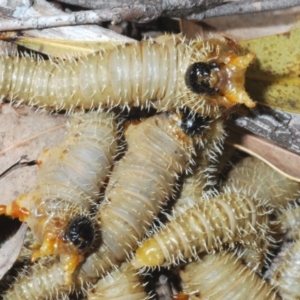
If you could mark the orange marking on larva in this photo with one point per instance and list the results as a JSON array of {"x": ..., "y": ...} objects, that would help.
[
  {"x": 181, "y": 296},
  {"x": 18, "y": 212},
  {"x": 2, "y": 209}
]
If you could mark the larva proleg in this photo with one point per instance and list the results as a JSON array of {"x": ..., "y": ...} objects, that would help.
[
  {"x": 226, "y": 218},
  {"x": 223, "y": 276},
  {"x": 207, "y": 76},
  {"x": 69, "y": 179}
]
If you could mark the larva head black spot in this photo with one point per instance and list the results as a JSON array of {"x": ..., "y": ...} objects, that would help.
[
  {"x": 80, "y": 232},
  {"x": 192, "y": 123},
  {"x": 199, "y": 78}
]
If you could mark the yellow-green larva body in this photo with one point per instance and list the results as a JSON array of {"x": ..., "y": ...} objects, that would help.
[{"x": 144, "y": 74}]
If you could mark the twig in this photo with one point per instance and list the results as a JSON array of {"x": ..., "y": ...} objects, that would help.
[
  {"x": 143, "y": 11},
  {"x": 245, "y": 7}
]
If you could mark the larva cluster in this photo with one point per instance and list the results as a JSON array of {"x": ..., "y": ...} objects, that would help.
[
  {"x": 69, "y": 179},
  {"x": 123, "y": 283},
  {"x": 223, "y": 276},
  {"x": 207, "y": 76},
  {"x": 226, "y": 218},
  {"x": 158, "y": 151}
]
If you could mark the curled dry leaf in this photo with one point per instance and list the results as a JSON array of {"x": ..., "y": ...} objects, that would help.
[{"x": 285, "y": 162}]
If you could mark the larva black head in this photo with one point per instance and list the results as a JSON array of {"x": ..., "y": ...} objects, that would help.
[
  {"x": 192, "y": 123},
  {"x": 199, "y": 78},
  {"x": 80, "y": 232}
]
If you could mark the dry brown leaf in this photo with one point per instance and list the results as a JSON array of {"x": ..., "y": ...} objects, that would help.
[
  {"x": 280, "y": 159},
  {"x": 24, "y": 133},
  {"x": 10, "y": 250}
]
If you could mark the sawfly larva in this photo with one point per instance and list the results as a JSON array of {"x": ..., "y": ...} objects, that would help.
[
  {"x": 223, "y": 276},
  {"x": 206, "y": 76},
  {"x": 123, "y": 283},
  {"x": 226, "y": 218},
  {"x": 286, "y": 276},
  {"x": 69, "y": 179},
  {"x": 255, "y": 178},
  {"x": 159, "y": 151}
]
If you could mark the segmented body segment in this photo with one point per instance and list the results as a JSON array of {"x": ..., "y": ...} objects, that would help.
[
  {"x": 289, "y": 223},
  {"x": 158, "y": 152},
  {"x": 69, "y": 179},
  {"x": 29, "y": 286},
  {"x": 226, "y": 218},
  {"x": 207, "y": 76},
  {"x": 223, "y": 276},
  {"x": 286, "y": 277},
  {"x": 201, "y": 183},
  {"x": 253, "y": 177},
  {"x": 123, "y": 283}
]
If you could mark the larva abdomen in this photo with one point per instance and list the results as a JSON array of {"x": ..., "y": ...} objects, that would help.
[
  {"x": 123, "y": 283},
  {"x": 226, "y": 218},
  {"x": 253, "y": 177},
  {"x": 144, "y": 74},
  {"x": 223, "y": 276}
]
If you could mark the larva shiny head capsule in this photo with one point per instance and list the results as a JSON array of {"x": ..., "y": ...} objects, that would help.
[{"x": 217, "y": 73}]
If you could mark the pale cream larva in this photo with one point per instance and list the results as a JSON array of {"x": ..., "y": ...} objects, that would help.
[
  {"x": 69, "y": 179},
  {"x": 207, "y": 76},
  {"x": 223, "y": 276},
  {"x": 124, "y": 283},
  {"x": 226, "y": 218}
]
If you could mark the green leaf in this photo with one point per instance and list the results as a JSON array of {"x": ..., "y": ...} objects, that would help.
[{"x": 274, "y": 77}]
